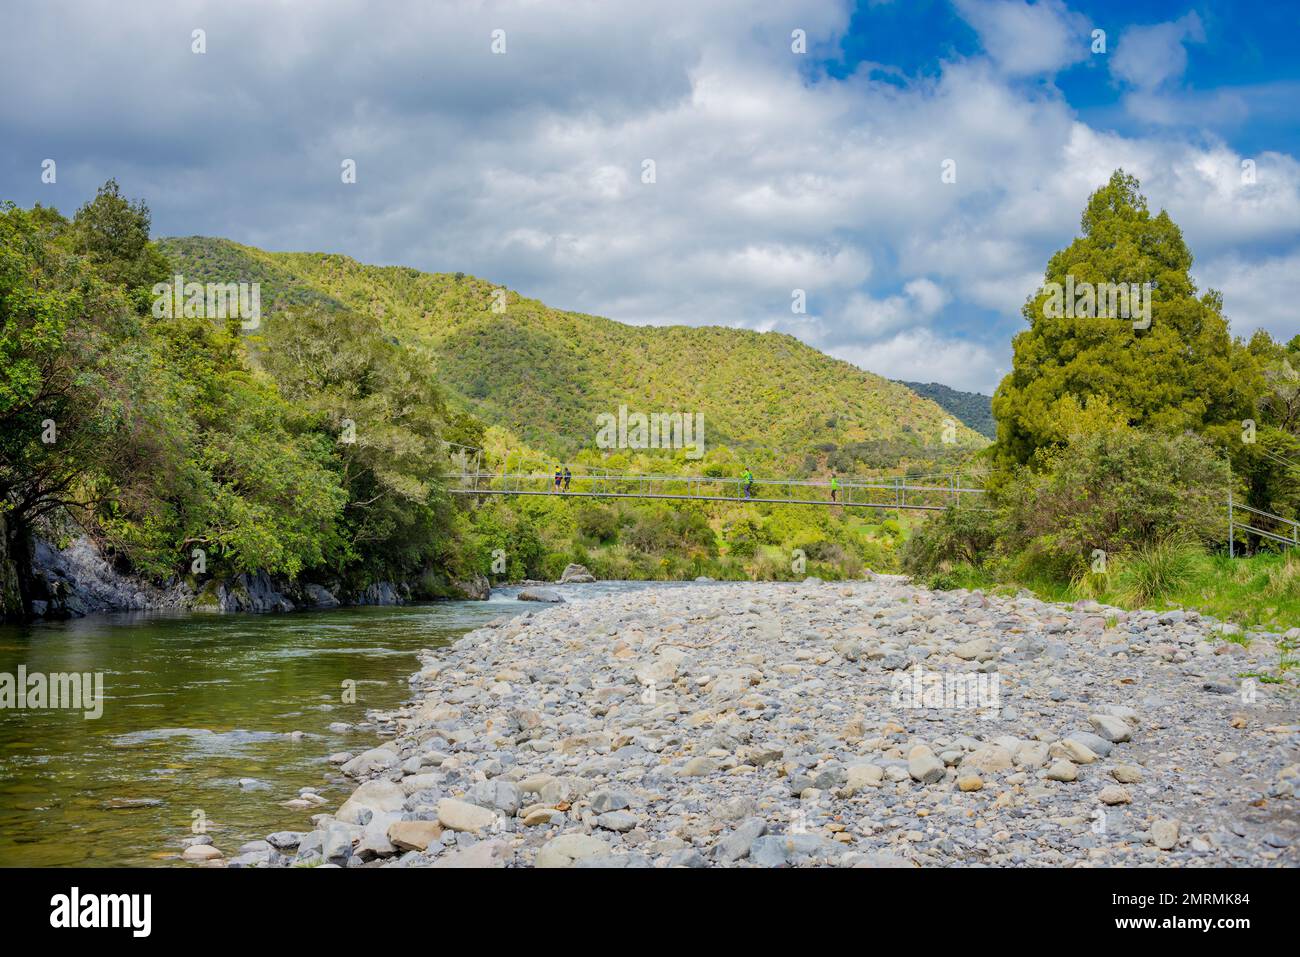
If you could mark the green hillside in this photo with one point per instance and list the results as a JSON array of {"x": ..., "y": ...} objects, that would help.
[
  {"x": 545, "y": 374},
  {"x": 972, "y": 408}
]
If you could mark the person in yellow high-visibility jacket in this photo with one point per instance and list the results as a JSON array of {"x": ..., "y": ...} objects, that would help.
[{"x": 835, "y": 488}]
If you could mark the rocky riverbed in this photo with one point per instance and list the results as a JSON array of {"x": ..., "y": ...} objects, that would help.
[{"x": 871, "y": 723}]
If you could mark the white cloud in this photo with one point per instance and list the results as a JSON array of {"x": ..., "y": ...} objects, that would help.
[
  {"x": 1028, "y": 38},
  {"x": 526, "y": 169},
  {"x": 863, "y": 316},
  {"x": 1150, "y": 56},
  {"x": 1258, "y": 293},
  {"x": 919, "y": 355}
]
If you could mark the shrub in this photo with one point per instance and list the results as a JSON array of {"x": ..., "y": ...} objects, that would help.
[
  {"x": 598, "y": 523},
  {"x": 960, "y": 534},
  {"x": 652, "y": 532},
  {"x": 1117, "y": 490},
  {"x": 745, "y": 536}
]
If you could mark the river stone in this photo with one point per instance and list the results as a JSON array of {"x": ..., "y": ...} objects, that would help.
[
  {"x": 1164, "y": 834},
  {"x": 251, "y": 859},
  {"x": 414, "y": 835},
  {"x": 420, "y": 782},
  {"x": 499, "y": 794},
  {"x": 621, "y": 821},
  {"x": 565, "y": 850},
  {"x": 372, "y": 796},
  {"x": 923, "y": 766},
  {"x": 859, "y": 776},
  {"x": 338, "y": 841},
  {"x": 1114, "y": 794},
  {"x": 542, "y": 815},
  {"x": 977, "y": 648},
  {"x": 991, "y": 758},
  {"x": 479, "y": 855},
  {"x": 576, "y": 574},
  {"x": 737, "y": 844},
  {"x": 1111, "y": 728},
  {"x": 1062, "y": 770},
  {"x": 370, "y": 762},
  {"x": 201, "y": 852},
  {"x": 1093, "y": 742},
  {"x": 374, "y": 843},
  {"x": 1032, "y": 755},
  {"x": 603, "y": 801},
  {"x": 1073, "y": 751},
  {"x": 461, "y": 816},
  {"x": 698, "y": 767}
]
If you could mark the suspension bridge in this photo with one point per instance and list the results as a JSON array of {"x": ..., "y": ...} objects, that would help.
[
  {"x": 904, "y": 493},
  {"x": 924, "y": 493}
]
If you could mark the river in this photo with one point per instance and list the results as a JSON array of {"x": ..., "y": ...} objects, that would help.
[{"x": 193, "y": 705}]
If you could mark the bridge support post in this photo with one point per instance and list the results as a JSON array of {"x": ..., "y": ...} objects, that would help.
[{"x": 1231, "y": 544}]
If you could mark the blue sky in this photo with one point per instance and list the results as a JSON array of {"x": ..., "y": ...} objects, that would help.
[{"x": 775, "y": 170}]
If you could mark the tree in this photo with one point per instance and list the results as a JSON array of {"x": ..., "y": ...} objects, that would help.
[
  {"x": 65, "y": 385},
  {"x": 380, "y": 406},
  {"x": 113, "y": 234},
  {"x": 1184, "y": 371}
]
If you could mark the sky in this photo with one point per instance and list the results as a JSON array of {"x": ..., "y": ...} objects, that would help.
[{"x": 777, "y": 165}]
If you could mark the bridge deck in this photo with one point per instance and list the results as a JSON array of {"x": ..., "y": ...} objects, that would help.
[{"x": 699, "y": 498}]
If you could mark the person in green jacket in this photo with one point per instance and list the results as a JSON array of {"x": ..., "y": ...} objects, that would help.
[
  {"x": 835, "y": 488},
  {"x": 748, "y": 480}
]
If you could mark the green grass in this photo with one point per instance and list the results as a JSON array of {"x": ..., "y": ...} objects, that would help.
[{"x": 1262, "y": 591}]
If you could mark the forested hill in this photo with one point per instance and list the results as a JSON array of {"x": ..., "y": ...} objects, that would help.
[
  {"x": 546, "y": 374},
  {"x": 973, "y": 408}
]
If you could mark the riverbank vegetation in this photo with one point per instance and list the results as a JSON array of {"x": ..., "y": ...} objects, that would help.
[
  {"x": 1118, "y": 446},
  {"x": 174, "y": 445},
  {"x": 310, "y": 441}
]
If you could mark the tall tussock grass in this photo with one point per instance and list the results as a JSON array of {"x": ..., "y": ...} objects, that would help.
[{"x": 1152, "y": 572}]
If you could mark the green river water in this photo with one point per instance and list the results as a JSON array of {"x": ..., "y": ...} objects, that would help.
[{"x": 193, "y": 704}]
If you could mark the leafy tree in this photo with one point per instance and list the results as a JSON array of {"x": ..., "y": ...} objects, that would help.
[
  {"x": 113, "y": 234},
  {"x": 381, "y": 405},
  {"x": 1183, "y": 372},
  {"x": 66, "y": 383}
]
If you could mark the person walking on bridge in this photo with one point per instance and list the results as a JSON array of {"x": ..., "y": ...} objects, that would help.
[
  {"x": 568, "y": 477},
  {"x": 835, "y": 488},
  {"x": 559, "y": 477},
  {"x": 748, "y": 480}
]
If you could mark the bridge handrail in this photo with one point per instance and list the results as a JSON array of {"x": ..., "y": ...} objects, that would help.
[
  {"x": 1264, "y": 514},
  {"x": 717, "y": 480}
]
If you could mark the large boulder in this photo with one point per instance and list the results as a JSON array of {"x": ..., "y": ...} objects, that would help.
[
  {"x": 376, "y": 796},
  {"x": 476, "y": 588},
  {"x": 318, "y": 596},
  {"x": 576, "y": 574}
]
